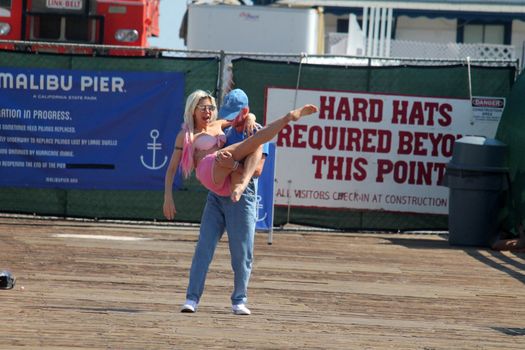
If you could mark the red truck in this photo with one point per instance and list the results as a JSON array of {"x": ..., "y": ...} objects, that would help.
[{"x": 95, "y": 22}]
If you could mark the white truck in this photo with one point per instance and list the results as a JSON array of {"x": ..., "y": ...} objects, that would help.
[{"x": 254, "y": 29}]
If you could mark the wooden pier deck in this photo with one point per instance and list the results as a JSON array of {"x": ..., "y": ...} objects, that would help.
[{"x": 85, "y": 285}]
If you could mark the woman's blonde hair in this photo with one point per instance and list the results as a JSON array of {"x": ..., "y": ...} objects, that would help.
[
  {"x": 189, "y": 128},
  {"x": 191, "y": 103}
]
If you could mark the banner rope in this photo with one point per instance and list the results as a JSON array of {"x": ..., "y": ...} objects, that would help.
[{"x": 303, "y": 56}]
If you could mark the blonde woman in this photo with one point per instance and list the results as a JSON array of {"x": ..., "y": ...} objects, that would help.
[{"x": 202, "y": 136}]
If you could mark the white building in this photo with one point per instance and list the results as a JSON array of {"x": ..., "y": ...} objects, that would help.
[
  {"x": 488, "y": 29},
  {"x": 433, "y": 29}
]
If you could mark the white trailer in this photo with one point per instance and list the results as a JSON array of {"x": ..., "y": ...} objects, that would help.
[{"x": 253, "y": 29}]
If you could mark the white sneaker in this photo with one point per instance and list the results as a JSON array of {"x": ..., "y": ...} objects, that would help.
[
  {"x": 240, "y": 309},
  {"x": 189, "y": 306}
]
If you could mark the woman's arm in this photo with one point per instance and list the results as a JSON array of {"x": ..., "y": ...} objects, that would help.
[
  {"x": 224, "y": 123},
  {"x": 168, "y": 208}
]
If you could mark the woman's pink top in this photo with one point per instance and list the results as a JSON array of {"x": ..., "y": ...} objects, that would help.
[
  {"x": 202, "y": 142},
  {"x": 206, "y": 141}
]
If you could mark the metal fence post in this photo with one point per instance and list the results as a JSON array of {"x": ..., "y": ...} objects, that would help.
[{"x": 222, "y": 66}]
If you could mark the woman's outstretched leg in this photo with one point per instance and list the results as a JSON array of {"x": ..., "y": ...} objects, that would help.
[{"x": 241, "y": 149}]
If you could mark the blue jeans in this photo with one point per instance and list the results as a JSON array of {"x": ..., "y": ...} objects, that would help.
[{"x": 238, "y": 219}]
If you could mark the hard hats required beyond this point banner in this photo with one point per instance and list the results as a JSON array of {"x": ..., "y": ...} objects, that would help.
[{"x": 372, "y": 151}]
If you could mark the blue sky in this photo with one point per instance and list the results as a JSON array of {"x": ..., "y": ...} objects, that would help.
[{"x": 171, "y": 13}]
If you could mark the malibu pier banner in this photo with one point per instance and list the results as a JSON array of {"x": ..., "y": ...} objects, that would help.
[
  {"x": 372, "y": 151},
  {"x": 87, "y": 129}
]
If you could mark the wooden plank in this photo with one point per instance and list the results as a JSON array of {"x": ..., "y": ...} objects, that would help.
[{"x": 80, "y": 287}]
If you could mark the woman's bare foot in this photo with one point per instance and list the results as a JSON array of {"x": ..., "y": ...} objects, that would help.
[
  {"x": 237, "y": 193},
  {"x": 305, "y": 110}
]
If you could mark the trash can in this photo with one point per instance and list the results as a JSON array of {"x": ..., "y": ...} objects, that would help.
[{"x": 477, "y": 178}]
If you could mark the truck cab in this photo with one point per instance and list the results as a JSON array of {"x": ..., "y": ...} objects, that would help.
[{"x": 95, "y": 22}]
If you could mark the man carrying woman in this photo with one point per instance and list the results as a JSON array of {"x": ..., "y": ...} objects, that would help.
[{"x": 231, "y": 202}]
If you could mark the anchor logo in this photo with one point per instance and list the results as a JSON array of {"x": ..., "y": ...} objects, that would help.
[
  {"x": 259, "y": 207},
  {"x": 154, "y": 147}
]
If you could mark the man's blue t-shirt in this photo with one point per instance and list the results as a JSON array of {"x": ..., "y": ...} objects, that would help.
[{"x": 234, "y": 136}]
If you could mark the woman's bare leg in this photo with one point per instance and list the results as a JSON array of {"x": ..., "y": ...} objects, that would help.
[
  {"x": 240, "y": 175},
  {"x": 224, "y": 166},
  {"x": 237, "y": 183},
  {"x": 240, "y": 179},
  {"x": 241, "y": 150}
]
